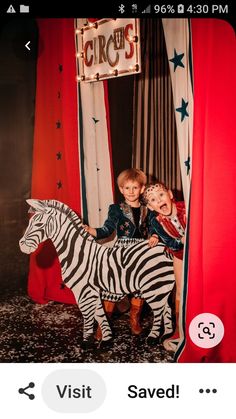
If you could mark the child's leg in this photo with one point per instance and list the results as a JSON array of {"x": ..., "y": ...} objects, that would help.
[
  {"x": 172, "y": 343},
  {"x": 178, "y": 265},
  {"x": 136, "y": 305},
  {"x": 108, "y": 308}
]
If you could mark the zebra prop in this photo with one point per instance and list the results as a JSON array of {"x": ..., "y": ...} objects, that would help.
[{"x": 90, "y": 269}]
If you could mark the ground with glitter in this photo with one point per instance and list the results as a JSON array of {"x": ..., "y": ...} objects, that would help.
[{"x": 53, "y": 333}]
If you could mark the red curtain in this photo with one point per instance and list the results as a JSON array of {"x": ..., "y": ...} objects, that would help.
[
  {"x": 55, "y": 156},
  {"x": 211, "y": 276}
]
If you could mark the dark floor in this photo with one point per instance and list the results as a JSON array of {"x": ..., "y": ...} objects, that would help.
[{"x": 53, "y": 333}]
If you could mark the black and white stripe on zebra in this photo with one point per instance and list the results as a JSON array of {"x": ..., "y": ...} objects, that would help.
[{"x": 90, "y": 269}]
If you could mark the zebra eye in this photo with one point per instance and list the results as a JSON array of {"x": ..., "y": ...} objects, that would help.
[{"x": 38, "y": 225}]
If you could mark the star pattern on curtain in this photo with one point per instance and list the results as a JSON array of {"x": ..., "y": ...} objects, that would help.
[
  {"x": 59, "y": 155},
  {"x": 177, "y": 60},
  {"x": 58, "y": 124},
  {"x": 178, "y": 44},
  {"x": 183, "y": 109},
  {"x": 187, "y": 164},
  {"x": 95, "y": 120},
  {"x": 59, "y": 184}
]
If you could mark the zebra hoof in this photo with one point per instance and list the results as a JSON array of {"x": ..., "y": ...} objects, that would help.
[
  {"x": 105, "y": 344},
  {"x": 153, "y": 341},
  {"x": 87, "y": 344},
  {"x": 165, "y": 336}
]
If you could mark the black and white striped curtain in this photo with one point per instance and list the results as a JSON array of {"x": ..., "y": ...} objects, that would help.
[{"x": 155, "y": 148}]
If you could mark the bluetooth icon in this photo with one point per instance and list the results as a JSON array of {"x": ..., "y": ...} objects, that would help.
[{"x": 121, "y": 8}]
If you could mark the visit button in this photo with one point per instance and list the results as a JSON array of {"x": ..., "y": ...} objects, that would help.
[{"x": 74, "y": 391}]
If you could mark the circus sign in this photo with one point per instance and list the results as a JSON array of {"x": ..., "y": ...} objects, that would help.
[{"x": 108, "y": 48}]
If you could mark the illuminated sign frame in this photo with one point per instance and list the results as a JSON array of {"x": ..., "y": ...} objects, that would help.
[{"x": 108, "y": 48}]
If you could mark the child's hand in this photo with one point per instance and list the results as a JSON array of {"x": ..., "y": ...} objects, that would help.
[
  {"x": 153, "y": 240},
  {"x": 92, "y": 231},
  {"x": 183, "y": 240}
]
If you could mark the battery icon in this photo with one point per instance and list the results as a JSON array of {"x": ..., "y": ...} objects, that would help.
[{"x": 180, "y": 8}]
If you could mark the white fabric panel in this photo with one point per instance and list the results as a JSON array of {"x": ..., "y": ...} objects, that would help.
[
  {"x": 178, "y": 40},
  {"x": 97, "y": 167}
]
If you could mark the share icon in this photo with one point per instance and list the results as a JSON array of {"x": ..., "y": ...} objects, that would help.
[{"x": 22, "y": 391}]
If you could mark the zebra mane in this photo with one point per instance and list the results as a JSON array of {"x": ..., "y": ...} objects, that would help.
[{"x": 72, "y": 216}]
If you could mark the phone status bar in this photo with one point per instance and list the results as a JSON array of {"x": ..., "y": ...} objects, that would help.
[
  {"x": 176, "y": 10},
  {"x": 220, "y": 9}
]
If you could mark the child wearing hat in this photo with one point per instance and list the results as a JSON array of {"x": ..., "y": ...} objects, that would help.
[{"x": 168, "y": 221}]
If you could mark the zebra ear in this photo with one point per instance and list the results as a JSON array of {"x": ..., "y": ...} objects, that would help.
[{"x": 37, "y": 204}]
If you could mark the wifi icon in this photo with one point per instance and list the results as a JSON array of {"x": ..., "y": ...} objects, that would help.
[{"x": 147, "y": 10}]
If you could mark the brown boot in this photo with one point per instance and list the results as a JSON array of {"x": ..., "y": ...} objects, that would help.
[
  {"x": 123, "y": 305},
  {"x": 136, "y": 305},
  {"x": 108, "y": 308}
]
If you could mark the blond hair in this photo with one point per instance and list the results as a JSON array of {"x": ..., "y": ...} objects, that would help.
[{"x": 132, "y": 174}]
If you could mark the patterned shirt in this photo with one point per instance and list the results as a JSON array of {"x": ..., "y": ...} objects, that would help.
[{"x": 171, "y": 229}]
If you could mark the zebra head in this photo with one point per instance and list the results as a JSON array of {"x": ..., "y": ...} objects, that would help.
[{"x": 41, "y": 225}]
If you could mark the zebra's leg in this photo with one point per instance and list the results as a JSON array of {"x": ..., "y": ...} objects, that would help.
[
  {"x": 87, "y": 305},
  {"x": 157, "y": 308},
  {"x": 101, "y": 318}
]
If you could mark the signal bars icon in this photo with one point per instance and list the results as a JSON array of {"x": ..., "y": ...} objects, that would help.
[{"x": 147, "y": 10}]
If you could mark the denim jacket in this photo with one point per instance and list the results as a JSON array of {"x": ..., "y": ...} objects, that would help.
[{"x": 120, "y": 218}]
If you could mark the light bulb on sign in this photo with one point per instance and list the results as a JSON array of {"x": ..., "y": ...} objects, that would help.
[
  {"x": 132, "y": 38},
  {"x": 79, "y": 31},
  {"x": 80, "y": 78},
  {"x": 80, "y": 55}
]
